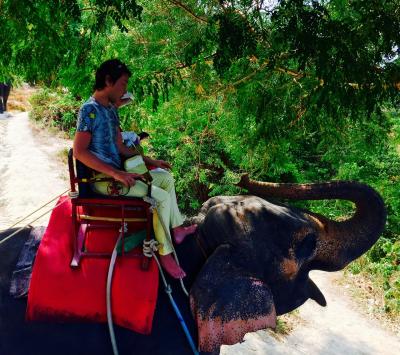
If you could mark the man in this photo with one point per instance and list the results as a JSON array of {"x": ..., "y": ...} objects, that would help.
[
  {"x": 98, "y": 144},
  {"x": 4, "y": 93}
]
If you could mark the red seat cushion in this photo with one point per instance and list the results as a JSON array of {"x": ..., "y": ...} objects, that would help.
[{"x": 59, "y": 293}]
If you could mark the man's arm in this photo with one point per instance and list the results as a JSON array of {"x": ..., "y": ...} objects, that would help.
[
  {"x": 82, "y": 153},
  {"x": 157, "y": 163}
]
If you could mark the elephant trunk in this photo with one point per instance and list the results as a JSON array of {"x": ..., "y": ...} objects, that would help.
[{"x": 339, "y": 242}]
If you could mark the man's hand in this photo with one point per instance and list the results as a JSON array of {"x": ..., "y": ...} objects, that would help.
[{"x": 128, "y": 179}]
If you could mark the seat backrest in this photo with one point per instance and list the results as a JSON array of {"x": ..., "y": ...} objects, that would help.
[{"x": 82, "y": 172}]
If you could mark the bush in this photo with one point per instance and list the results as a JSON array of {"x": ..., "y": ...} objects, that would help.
[
  {"x": 210, "y": 145},
  {"x": 55, "y": 108}
]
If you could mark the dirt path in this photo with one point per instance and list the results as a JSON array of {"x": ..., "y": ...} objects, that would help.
[
  {"x": 32, "y": 174},
  {"x": 336, "y": 329}
]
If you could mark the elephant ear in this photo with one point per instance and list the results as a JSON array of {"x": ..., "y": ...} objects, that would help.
[{"x": 227, "y": 302}]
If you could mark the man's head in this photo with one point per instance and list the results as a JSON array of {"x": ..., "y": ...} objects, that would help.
[{"x": 112, "y": 76}]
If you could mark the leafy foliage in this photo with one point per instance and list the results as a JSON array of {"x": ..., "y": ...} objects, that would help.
[
  {"x": 55, "y": 109},
  {"x": 293, "y": 91},
  {"x": 40, "y": 37}
]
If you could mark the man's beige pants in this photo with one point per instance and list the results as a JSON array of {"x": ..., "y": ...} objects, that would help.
[{"x": 163, "y": 191}]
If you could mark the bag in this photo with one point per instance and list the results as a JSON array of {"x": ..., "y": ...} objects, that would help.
[{"x": 137, "y": 165}]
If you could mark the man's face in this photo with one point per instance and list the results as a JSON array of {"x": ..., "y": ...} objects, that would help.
[{"x": 117, "y": 89}]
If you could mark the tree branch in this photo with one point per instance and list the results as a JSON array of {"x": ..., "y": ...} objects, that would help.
[{"x": 188, "y": 10}]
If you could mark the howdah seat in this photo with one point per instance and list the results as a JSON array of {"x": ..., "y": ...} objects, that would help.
[{"x": 96, "y": 215}]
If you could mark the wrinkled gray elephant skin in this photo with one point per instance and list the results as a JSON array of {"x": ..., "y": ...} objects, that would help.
[{"x": 259, "y": 254}]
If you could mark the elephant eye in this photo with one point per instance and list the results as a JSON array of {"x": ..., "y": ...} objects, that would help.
[{"x": 305, "y": 249}]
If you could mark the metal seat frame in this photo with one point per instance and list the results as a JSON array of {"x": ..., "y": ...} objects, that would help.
[{"x": 82, "y": 199}]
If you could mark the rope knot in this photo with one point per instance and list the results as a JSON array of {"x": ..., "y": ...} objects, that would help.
[
  {"x": 168, "y": 289},
  {"x": 149, "y": 247},
  {"x": 73, "y": 194},
  {"x": 152, "y": 201},
  {"x": 125, "y": 226}
]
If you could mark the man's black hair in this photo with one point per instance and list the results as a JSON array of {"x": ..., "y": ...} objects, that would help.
[{"x": 112, "y": 68}]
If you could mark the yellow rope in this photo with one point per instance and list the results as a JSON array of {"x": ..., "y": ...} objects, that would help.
[
  {"x": 30, "y": 214},
  {"x": 20, "y": 229},
  {"x": 111, "y": 219}
]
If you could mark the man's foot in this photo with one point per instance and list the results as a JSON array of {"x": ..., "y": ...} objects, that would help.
[
  {"x": 180, "y": 232},
  {"x": 171, "y": 267}
]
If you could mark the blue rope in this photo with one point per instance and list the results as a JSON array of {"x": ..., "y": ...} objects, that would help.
[
  {"x": 168, "y": 290},
  {"x": 181, "y": 320}
]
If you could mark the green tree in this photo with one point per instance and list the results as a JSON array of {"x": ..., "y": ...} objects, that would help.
[{"x": 286, "y": 90}]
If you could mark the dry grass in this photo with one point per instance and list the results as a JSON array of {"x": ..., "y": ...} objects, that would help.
[
  {"x": 287, "y": 322},
  {"x": 62, "y": 155},
  {"x": 18, "y": 100},
  {"x": 368, "y": 295}
]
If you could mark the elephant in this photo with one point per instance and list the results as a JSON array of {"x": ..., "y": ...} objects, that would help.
[
  {"x": 258, "y": 254},
  {"x": 247, "y": 264}
]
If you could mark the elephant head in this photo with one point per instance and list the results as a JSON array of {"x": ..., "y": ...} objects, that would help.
[{"x": 258, "y": 254}]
